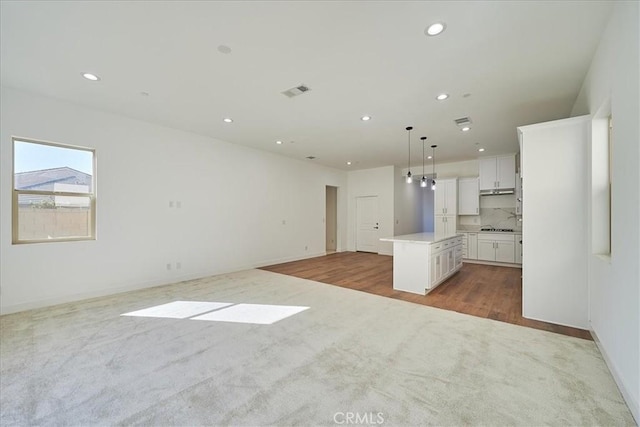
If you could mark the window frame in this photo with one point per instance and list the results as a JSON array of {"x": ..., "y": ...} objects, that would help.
[{"x": 15, "y": 194}]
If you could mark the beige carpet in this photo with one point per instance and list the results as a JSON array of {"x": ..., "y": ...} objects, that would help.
[{"x": 351, "y": 354}]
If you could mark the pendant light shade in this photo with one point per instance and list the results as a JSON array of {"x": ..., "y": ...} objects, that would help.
[
  {"x": 423, "y": 181},
  {"x": 433, "y": 176},
  {"x": 409, "y": 179}
]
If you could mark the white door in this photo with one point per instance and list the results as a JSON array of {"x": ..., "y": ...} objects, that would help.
[
  {"x": 505, "y": 252},
  {"x": 367, "y": 225},
  {"x": 506, "y": 172},
  {"x": 331, "y": 218},
  {"x": 486, "y": 250},
  {"x": 472, "y": 246},
  {"x": 440, "y": 199},
  {"x": 488, "y": 176},
  {"x": 468, "y": 197},
  {"x": 440, "y": 227},
  {"x": 451, "y": 196}
]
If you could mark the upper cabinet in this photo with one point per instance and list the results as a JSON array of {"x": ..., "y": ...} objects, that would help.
[
  {"x": 446, "y": 197},
  {"x": 498, "y": 173},
  {"x": 468, "y": 196}
]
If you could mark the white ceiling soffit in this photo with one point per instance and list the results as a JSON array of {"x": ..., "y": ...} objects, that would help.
[{"x": 198, "y": 62}]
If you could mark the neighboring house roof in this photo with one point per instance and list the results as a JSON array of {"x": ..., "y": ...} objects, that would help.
[{"x": 41, "y": 179}]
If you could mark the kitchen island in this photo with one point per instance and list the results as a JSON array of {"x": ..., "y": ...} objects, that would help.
[{"x": 421, "y": 261}]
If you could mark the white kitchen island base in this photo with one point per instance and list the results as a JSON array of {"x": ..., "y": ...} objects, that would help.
[{"x": 421, "y": 262}]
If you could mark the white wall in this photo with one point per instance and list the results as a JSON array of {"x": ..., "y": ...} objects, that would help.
[
  {"x": 224, "y": 224},
  {"x": 428, "y": 206},
  {"x": 372, "y": 182},
  {"x": 408, "y": 204},
  {"x": 614, "y": 283},
  {"x": 554, "y": 255}
]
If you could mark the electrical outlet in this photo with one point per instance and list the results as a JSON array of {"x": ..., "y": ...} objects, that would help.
[
  {"x": 284, "y": 222},
  {"x": 168, "y": 266},
  {"x": 170, "y": 203},
  {"x": 178, "y": 204},
  {"x": 306, "y": 248},
  {"x": 178, "y": 265}
]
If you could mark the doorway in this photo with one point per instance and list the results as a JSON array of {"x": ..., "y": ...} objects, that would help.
[
  {"x": 367, "y": 224},
  {"x": 331, "y": 219}
]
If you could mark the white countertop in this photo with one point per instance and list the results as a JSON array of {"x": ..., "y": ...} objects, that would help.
[{"x": 426, "y": 238}]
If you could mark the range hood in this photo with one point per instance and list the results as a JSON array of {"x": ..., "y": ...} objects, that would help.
[{"x": 496, "y": 192}]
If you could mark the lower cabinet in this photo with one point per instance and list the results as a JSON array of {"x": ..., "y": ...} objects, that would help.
[
  {"x": 446, "y": 259},
  {"x": 496, "y": 247}
]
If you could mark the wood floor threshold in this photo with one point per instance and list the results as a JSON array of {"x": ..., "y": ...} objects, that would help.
[{"x": 488, "y": 291}]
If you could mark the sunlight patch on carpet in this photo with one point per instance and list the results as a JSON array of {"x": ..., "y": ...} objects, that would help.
[
  {"x": 178, "y": 309},
  {"x": 258, "y": 314}
]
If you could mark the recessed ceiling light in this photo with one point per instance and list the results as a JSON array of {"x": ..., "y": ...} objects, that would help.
[
  {"x": 91, "y": 77},
  {"x": 465, "y": 129},
  {"x": 348, "y": 163},
  {"x": 365, "y": 118},
  {"x": 442, "y": 96},
  {"x": 435, "y": 28},
  {"x": 429, "y": 157},
  {"x": 278, "y": 142},
  {"x": 481, "y": 149},
  {"x": 227, "y": 120}
]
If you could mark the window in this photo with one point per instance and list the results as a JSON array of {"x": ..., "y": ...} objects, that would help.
[
  {"x": 53, "y": 192},
  {"x": 601, "y": 183}
]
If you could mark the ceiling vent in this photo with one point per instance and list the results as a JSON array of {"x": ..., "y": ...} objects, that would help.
[
  {"x": 295, "y": 91},
  {"x": 463, "y": 121}
]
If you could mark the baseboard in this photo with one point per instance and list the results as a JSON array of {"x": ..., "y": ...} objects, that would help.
[
  {"x": 498, "y": 264},
  {"x": 584, "y": 328},
  {"x": 624, "y": 390}
]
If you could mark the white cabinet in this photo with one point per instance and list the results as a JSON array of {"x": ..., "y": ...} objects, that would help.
[
  {"x": 444, "y": 226},
  {"x": 469, "y": 245},
  {"x": 496, "y": 247},
  {"x": 446, "y": 197},
  {"x": 446, "y": 259},
  {"x": 468, "y": 196},
  {"x": 445, "y": 207},
  {"x": 420, "y": 262},
  {"x": 497, "y": 173},
  {"x": 472, "y": 246},
  {"x": 518, "y": 194}
]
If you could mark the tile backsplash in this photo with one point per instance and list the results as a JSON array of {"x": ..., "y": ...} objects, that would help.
[{"x": 495, "y": 211}]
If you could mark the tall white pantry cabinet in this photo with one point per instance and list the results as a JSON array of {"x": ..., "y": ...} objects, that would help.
[
  {"x": 445, "y": 207},
  {"x": 554, "y": 221}
]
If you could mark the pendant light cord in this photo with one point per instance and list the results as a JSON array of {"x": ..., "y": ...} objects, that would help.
[{"x": 409, "y": 128}]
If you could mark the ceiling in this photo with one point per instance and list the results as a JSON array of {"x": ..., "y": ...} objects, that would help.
[{"x": 518, "y": 62}]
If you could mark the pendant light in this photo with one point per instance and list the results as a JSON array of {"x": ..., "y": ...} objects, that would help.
[
  {"x": 433, "y": 176},
  {"x": 409, "y": 179},
  {"x": 423, "y": 181}
]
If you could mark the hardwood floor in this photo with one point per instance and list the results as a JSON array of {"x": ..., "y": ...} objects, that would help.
[{"x": 479, "y": 290}]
